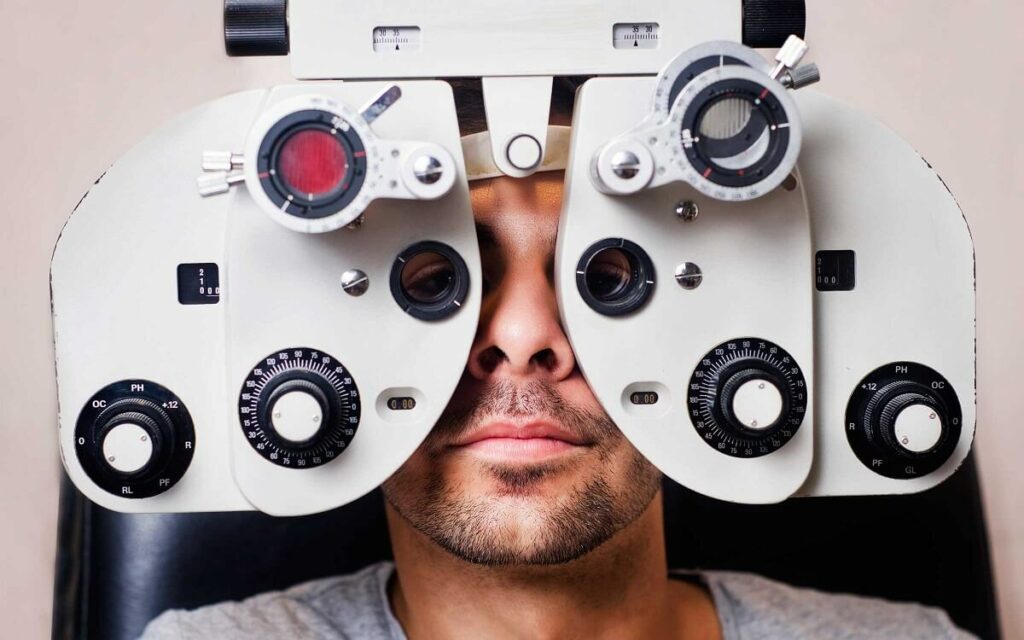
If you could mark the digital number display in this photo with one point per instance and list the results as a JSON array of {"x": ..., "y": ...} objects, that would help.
[
  {"x": 835, "y": 270},
  {"x": 401, "y": 404},
  {"x": 198, "y": 283},
  {"x": 643, "y": 398}
]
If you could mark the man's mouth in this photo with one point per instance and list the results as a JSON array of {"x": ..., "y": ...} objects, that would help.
[{"x": 510, "y": 442}]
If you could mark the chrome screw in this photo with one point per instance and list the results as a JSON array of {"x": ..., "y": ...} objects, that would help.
[
  {"x": 355, "y": 282},
  {"x": 687, "y": 210},
  {"x": 625, "y": 164},
  {"x": 427, "y": 169},
  {"x": 689, "y": 275}
]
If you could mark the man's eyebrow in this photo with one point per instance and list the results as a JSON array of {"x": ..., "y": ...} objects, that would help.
[{"x": 485, "y": 235}]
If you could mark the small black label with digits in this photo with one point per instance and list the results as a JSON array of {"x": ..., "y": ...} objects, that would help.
[
  {"x": 198, "y": 283},
  {"x": 401, "y": 404},
  {"x": 640, "y": 398},
  {"x": 835, "y": 270}
]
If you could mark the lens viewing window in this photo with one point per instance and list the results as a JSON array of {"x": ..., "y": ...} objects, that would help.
[
  {"x": 734, "y": 134},
  {"x": 312, "y": 163},
  {"x": 609, "y": 274},
  {"x": 429, "y": 280},
  {"x": 427, "y": 277},
  {"x": 615, "y": 277}
]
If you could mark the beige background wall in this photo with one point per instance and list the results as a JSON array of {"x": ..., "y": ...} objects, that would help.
[{"x": 84, "y": 81}]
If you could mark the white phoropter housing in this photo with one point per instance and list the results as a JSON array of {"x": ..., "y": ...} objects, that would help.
[
  {"x": 816, "y": 340},
  {"x": 209, "y": 359},
  {"x": 770, "y": 295}
]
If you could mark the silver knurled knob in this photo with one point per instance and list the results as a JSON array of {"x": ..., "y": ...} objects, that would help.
[
  {"x": 801, "y": 76},
  {"x": 222, "y": 161},
  {"x": 212, "y": 184}
]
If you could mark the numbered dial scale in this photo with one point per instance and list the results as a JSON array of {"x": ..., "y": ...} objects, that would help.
[
  {"x": 747, "y": 397},
  {"x": 134, "y": 438},
  {"x": 299, "y": 408},
  {"x": 903, "y": 420}
]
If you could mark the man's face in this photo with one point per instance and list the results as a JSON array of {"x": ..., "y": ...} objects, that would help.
[{"x": 524, "y": 467}]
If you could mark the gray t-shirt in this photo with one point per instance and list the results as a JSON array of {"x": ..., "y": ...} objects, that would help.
[{"x": 749, "y": 607}]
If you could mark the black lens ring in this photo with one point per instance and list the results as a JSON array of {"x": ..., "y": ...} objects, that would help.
[
  {"x": 772, "y": 111},
  {"x": 447, "y": 304},
  {"x": 278, "y": 191},
  {"x": 636, "y": 293}
]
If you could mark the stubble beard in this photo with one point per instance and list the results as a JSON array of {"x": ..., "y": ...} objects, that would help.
[{"x": 515, "y": 526}]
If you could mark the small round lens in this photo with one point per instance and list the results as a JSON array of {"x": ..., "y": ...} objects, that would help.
[
  {"x": 430, "y": 280},
  {"x": 615, "y": 277},
  {"x": 734, "y": 134},
  {"x": 725, "y": 118},
  {"x": 428, "y": 277},
  {"x": 312, "y": 163},
  {"x": 609, "y": 274}
]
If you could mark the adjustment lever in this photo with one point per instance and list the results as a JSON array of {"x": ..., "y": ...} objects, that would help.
[{"x": 788, "y": 58}]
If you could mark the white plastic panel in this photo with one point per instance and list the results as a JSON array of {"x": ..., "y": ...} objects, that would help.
[
  {"x": 116, "y": 313},
  {"x": 335, "y": 39},
  {"x": 757, "y": 283},
  {"x": 870, "y": 192},
  {"x": 286, "y": 292},
  {"x": 115, "y": 309}
]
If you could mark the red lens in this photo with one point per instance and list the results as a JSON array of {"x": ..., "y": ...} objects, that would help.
[{"x": 312, "y": 163}]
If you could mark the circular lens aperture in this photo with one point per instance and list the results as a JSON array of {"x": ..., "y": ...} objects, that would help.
[
  {"x": 738, "y": 133},
  {"x": 615, "y": 277},
  {"x": 725, "y": 118},
  {"x": 428, "y": 277},
  {"x": 312, "y": 162},
  {"x": 734, "y": 133},
  {"x": 609, "y": 273},
  {"x": 429, "y": 280}
]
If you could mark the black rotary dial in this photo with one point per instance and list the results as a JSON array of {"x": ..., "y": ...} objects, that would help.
[
  {"x": 299, "y": 408},
  {"x": 134, "y": 438},
  {"x": 903, "y": 420},
  {"x": 747, "y": 397}
]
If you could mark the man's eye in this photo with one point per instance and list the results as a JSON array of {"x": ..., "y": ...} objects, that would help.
[
  {"x": 428, "y": 277},
  {"x": 608, "y": 275}
]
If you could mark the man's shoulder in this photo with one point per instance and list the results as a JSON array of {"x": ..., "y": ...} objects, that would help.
[
  {"x": 752, "y": 606},
  {"x": 348, "y": 606}
]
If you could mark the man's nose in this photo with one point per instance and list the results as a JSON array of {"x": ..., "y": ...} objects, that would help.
[{"x": 520, "y": 333}]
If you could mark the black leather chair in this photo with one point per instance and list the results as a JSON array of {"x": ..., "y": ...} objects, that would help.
[{"x": 115, "y": 572}]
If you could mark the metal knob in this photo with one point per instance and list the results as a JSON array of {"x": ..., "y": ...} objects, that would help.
[
  {"x": 801, "y": 76},
  {"x": 625, "y": 164},
  {"x": 256, "y": 27},
  {"x": 427, "y": 169}
]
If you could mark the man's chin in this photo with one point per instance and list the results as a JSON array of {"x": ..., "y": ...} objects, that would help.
[{"x": 548, "y": 478}]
